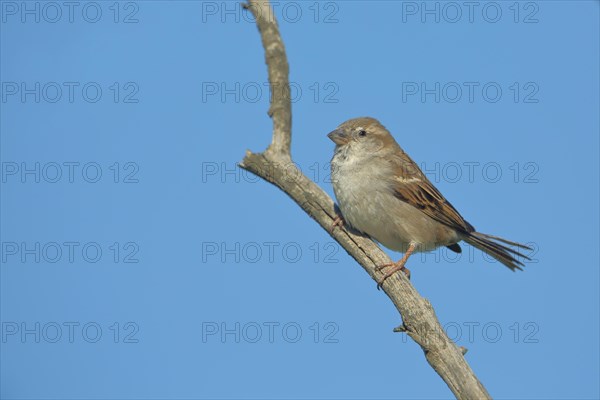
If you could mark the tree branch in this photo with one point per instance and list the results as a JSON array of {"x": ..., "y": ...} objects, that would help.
[
  {"x": 281, "y": 106},
  {"x": 275, "y": 165}
]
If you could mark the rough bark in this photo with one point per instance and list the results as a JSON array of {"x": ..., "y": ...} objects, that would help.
[{"x": 275, "y": 165}]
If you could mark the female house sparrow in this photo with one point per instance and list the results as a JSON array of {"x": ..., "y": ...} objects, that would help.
[{"x": 383, "y": 193}]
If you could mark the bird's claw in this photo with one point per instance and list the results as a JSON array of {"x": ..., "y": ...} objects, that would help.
[
  {"x": 338, "y": 221},
  {"x": 392, "y": 272},
  {"x": 380, "y": 267},
  {"x": 399, "y": 266}
]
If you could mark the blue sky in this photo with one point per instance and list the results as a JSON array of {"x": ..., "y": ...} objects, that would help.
[{"x": 138, "y": 262}]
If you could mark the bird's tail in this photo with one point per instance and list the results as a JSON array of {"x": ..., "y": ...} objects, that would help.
[{"x": 495, "y": 247}]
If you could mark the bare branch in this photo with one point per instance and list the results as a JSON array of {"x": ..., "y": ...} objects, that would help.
[
  {"x": 275, "y": 165},
  {"x": 281, "y": 104}
]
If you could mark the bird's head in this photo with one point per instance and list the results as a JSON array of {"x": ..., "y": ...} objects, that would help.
[{"x": 365, "y": 135}]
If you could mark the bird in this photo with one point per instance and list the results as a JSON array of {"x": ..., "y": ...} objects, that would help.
[{"x": 381, "y": 192}]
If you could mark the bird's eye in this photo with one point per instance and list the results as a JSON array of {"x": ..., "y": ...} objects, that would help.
[{"x": 362, "y": 132}]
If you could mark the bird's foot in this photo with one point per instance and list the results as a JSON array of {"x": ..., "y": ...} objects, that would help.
[
  {"x": 391, "y": 272},
  {"x": 338, "y": 221},
  {"x": 380, "y": 267},
  {"x": 399, "y": 266}
]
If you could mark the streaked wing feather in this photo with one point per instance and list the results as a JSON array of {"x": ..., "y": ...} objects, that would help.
[{"x": 419, "y": 192}]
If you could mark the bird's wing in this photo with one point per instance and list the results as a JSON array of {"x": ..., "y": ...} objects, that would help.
[{"x": 412, "y": 186}]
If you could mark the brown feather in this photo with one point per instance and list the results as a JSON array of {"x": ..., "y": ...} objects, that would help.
[{"x": 419, "y": 192}]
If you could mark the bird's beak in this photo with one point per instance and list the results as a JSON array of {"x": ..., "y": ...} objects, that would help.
[{"x": 338, "y": 136}]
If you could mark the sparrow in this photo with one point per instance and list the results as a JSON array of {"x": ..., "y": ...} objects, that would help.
[{"x": 381, "y": 192}]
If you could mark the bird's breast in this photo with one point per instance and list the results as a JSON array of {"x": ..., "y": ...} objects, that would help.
[{"x": 365, "y": 195}]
